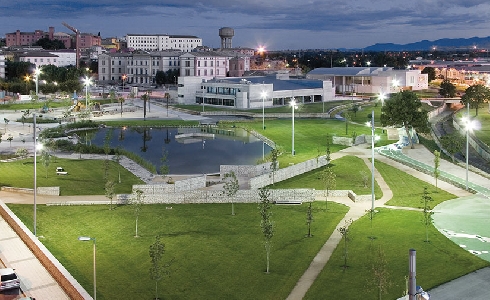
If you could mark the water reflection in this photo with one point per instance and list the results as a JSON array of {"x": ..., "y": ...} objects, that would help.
[{"x": 194, "y": 151}]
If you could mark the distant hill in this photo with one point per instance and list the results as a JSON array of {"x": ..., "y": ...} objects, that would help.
[{"x": 441, "y": 44}]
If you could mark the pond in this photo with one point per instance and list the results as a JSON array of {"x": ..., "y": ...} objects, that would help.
[{"x": 189, "y": 150}]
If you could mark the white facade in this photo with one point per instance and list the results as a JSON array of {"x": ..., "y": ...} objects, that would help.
[
  {"x": 2, "y": 66},
  {"x": 204, "y": 64},
  {"x": 140, "y": 68},
  {"x": 249, "y": 92},
  {"x": 371, "y": 79},
  {"x": 39, "y": 59},
  {"x": 161, "y": 42},
  {"x": 65, "y": 58}
]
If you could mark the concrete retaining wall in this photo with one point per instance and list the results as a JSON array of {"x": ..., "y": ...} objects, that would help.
[
  {"x": 71, "y": 287},
  {"x": 188, "y": 184},
  {"x": 49, "y": 191},
  {"x": 245, "y": 170}
]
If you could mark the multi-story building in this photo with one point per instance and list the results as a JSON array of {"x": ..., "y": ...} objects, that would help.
[
  {"x": 253, "y": 92},
  {"x": 213, "y": 64},
  {"x": 19, "y": 38},
  {"x": 2, "y": 66},
  {"x": 161, "y": 42},
  {"x": 38, "y": 58},
  {"x": 139, "y": 67}
]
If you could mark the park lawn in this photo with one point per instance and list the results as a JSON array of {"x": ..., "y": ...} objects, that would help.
[
  {"x": 32, "y": 106},
  {"x": 310, "y": 136},
  {"x": 482, "y": 130},
  {"x": 215, "y": 255},
  {"x": 348, "y": 176},
  {"x": 396, "y": 231},
  {"x": 85, "y": 176},
  {"x": 149, "y": 122},
  {"x": 407, "y": 189}
]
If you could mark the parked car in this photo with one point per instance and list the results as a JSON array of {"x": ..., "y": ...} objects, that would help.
[{"x": 8, "y": 279}]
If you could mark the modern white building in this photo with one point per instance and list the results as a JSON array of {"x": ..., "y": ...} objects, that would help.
[
  {"x": 371, "y": 79},
  {"x": 252, "y": 92},
  {"x": 213, "y": 64},
  {"x": 161, "y": 42},
  {"x": 65, "y": 57}
]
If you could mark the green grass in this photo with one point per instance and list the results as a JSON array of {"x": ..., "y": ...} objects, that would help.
[
  {"x": 149, "y": 122},
  {"x": 216, "y": 255},
  {"x": 32, "y": 106},
  {"x": 483, "y": 119},
  {"x": 309, "y": 136},
  {"x": 347, "y": 170},
  {"x": 396, "y": 231},
  {"x": 85, "y": 176},
  {"x": 408, "y": 190}
]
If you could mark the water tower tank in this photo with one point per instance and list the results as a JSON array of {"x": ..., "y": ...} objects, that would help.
[{"x": 226, "y": 34}]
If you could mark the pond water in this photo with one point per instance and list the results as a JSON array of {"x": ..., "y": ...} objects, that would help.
[{"x": 194, "y": 153}]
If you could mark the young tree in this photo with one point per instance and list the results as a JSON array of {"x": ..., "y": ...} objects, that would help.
[
  {"x": 157, "y": 269},
  {"x": 309, "y": 219},
  {"x": 347, "y": 118},
  {"x": 164, "y": 168},
  {"x": 329, "y": 182},
  {"x": 274, "y": 163},
  {"x": 231, "y": 188},
  {"x": 328, "y": 148},
  {"x": 117, "y": 158},
  {"x": 107, "y": 150},
  {"x": 344, "y": 231},
  {"x": 109, "y": 191},
  {"x": 437, "y": 161},
  {"x": 364, "y": 178},
  {"x": 137, "y": 201},
  {"x": 6, "y": 123},
  {"x": 404, "y": 109},
  {"x": 381, "y": 275},
  {"x": 22, "y": 152},
  {"x": 427, "y": 212},
  {"x": 46, "y": 159},
  {"x": 476, "y": 95},
  {"x": 266, "y": 224},
  {"x": 10, "y": 138},
  {"x": 447, "y": 90},
  {"x": 453, "y": 143}
]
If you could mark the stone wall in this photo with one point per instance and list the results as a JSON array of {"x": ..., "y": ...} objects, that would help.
[
  {"x": 49, "y": 191},
  {"x": 245, "y": 170},
  {"x": 188, "y": 184},
  {"x": 286, "y": 173}
]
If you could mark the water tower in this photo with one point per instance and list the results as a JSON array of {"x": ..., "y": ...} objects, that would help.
[{"x": 226, "y": 34}]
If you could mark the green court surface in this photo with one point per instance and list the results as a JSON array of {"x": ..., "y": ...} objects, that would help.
[{"x": 466, "y": 222}]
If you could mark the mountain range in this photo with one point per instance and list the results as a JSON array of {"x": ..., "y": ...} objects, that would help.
[{"x": 441, "y": 44}]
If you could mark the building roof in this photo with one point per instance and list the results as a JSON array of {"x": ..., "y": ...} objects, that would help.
[
  {"x": 349, "y": 71},
  {"x": 278, "y": 84},
  {"x": 37, "y": 54}
]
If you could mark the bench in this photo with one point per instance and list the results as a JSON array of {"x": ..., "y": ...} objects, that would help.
[{"x": 288, "y": 202}]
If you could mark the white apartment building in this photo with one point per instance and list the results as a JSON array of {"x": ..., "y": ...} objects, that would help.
[
  {"x": 65, "y": 57},
  {"x": 39, "y": 58},
  {"x": 140, "y": 68},
  {"x": 2, "y": 66},
  {"x": 205, "y": 64},
  {"x": 161, "y": 42}
]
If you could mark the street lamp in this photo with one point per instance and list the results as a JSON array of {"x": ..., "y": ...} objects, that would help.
[
  {"x": 37, "y": 71},
  {"x": 36, "y": 147},
  {"x": 86, "y": 81},
  {"x": 264, "y": 94},
  {"x": 84, "y": 239},
  {"x": 382, "y": 98},
  {"x": 469, "y": 125},
  {"x": 293, "y": 107},
  {"x": 372, "y": 161},
  {"x": 124, "y": 79},
  {"x": 27, "y": 78}
]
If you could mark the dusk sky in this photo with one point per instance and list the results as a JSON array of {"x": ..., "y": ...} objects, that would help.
[{"x": 275, "y": 24}]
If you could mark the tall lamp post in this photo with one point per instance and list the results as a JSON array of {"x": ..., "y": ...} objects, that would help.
[
  {"x": 372, "y": 163},
  {"x": 86, "y": 81},
  {"x": 123, "y": 80},
  {"x": 35, "y": 172},
  {"x": 84, "y": 239},
  {"x": 37, "y": 71},
  {"x": 264, "y": 94},
  {"x": 293, "y": 107},
  {"x": 468, "y": 127},
  {"x": 27, "y": 78}
]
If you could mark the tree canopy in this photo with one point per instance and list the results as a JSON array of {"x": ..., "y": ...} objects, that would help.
[
  {"x": 476, "y": 95},
  {"x": 448, "y": 90},
  {"x": 431, "y": 73},
  {"x": 404, "y": 109},
  {"x": 48, "y": 44}
]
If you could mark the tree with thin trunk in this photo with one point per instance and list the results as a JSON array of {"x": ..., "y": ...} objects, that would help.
[
  {"x": 329, "y": 182},
  {"x": 476, "y": 95},
  {"x": 10, "y": 138},
  {"x": 274, "y": 163},
  {"x": 437, "y": 162},
  {"x": 231, "y": 187},
  {"x": 328, "y": 148},
  {"x": 136, "y": 202},
  {"x": 381, "y": 275},
  {"x": 266, "y": 223},
  {"x": 453, "y": 143},
  {"x": 107, "y": 150},
  {"x": 344, "y": 231},
  {"x": 46, "y": 159},
  {"x": 158, "y": 269},
  {"x": 426, "y": 199},
  {"x": 109, "y": 191},
  {"x": 164, "y": 168},
  {"x": 309, "y": 219},
  {"x": 117, "y": 158}
]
